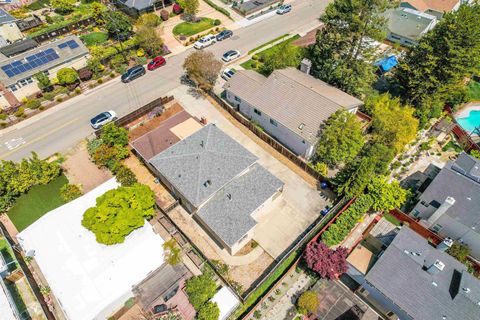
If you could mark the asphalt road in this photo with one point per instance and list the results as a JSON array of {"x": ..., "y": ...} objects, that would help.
[{"x": 59, "y": 128}]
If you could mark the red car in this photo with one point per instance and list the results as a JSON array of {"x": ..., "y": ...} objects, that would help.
[{"x": 156, "y": 63}]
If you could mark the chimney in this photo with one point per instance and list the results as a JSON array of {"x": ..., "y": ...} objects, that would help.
[
  {"x": 450, "y": 201},
  {"x": 306, "y": 66},
  {"x": 445, "y": 244},
  {"x": 436, "y": 267}
]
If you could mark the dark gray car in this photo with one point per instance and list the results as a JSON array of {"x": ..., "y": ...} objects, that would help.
[
  {"x": 133, "y": 73},
  {"x": 225, "y": 34}
]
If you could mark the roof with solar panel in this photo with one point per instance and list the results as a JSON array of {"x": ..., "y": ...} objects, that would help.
[{"x": 42, "y": 58}]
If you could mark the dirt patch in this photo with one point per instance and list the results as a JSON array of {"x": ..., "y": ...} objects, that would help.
[
  {"x": 79, "y": 169},
  {"x": 252, "y": 244},
  {"x": 148, "y": 125},
  {"x": 163, "y": 196},
  {"x": 247, "y": 274}
]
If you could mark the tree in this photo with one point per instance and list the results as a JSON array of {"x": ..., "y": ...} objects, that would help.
[
  {"x": 200, "y": 289},
  {"x": 328, "y": 263},
  {"x": 43, "y": 81},
  {"x": 393, "y": 124},
  {"x": 63, "y": 6},
  {"x": 282, "y": 56},
  {"x": 190, "y": 7},
  {"x": 202, "y": 68},
  {"x": 341, "y": 138},
  {"x": 114, "y": 135},
  {"x": 172, "y": 252},
  {"x": 148, "y": 39},
  {"x": 118, "y": 212},
  {"x": 150, "y": 20},
  {"x": 125, "y": 176},
  {"x": 97, "y": 10},
  {"x": 118, "y": 25},
  {"x": 434, "y": 70},
  {"x": 95, "y": 66},
  {"x": 475, "y": 153},
  {"x": 70, "y": 192},
  {"x": 109, "y": 156},
  {"x": 341, "y": 55},
  {"x": 67, "y": 76},
  {"x": 459, "y": 251},
  {"x": 386, "y": 196},
  {"x": 208, "y": 311},
  {"x": 308, "y": 302},
  {"x": 360, "y": 177}
]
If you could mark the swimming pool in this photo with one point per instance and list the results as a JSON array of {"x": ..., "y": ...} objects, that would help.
[{"x": 469, "y": 123}]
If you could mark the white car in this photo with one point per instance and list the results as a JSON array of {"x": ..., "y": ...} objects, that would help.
[
  {"x": 227, "y": 74},
  {"x": 205, "y": 42},
  {"x": 102, "y": 119},
  {"x": 231, "y": 55},
  {"x": 286, "y": 8}
]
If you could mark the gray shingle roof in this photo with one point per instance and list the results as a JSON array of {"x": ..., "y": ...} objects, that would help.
[
  {"x": 460, "y": 180},
  {"x": 403, "y": 22},
  {"x": 228, "y": 212},
  {"x": 202, "y": 163},
  {"x": 292, "y": 97},
  {"x": 138, "y": 4},
  {"x": 401, "y": 276},
  {"x": 5, "y": 17},
  {"x": 65, "y": 55}
]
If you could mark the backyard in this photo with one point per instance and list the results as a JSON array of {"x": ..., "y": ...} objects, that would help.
[
  {"x": 7, "y": 254},
  {"x": 94, "y": 38},
  {"x": 190, "y": 28},
  {"x": 473, "y": 90},
  {"x": 35, "y": 203}
]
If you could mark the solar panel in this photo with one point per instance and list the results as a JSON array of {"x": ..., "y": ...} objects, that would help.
[
  {"x": 40, "y": 54},
  {"x": 16, "y": 63},
  {"x": 9, "y": 73},
  {"x": 21, "y": 68},
  {"x": 63, "y": 45},
  {"x": 49, "y": 51},
  {"x": 27, "y": 66},
  {"x": 31, "y": 58},
  {"x": 32, "y": 62},
  {"x": 72, "y": 44},
  {"x": 44, "y": 60}
]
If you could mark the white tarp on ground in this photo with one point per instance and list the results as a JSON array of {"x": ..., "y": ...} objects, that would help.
[
  {"x": 89, "y": 279},
  {"x": 226, "y": 301},
  {"x": 6, "y": 312}
]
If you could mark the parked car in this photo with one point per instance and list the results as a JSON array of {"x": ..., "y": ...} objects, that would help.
[
  {"x": 286, "y": 8},
  {"x": 225, "y": 34},
  {"x": 102, "y": 119},
  {"x": 230, "y": 55},
  {"x": 205, "y": 42},
  {"x": 156, "y": 63},
  {"x": 227, "y": 74},
  {"x": 133, "y": 73}
]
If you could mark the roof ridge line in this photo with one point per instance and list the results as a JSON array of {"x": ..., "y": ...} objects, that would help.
[{"x": 200, "y": 166}]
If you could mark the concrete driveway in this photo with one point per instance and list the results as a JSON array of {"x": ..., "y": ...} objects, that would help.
[{"x": 290, "y": 214}]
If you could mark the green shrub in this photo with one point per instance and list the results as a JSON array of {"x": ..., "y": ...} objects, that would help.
[
  {"x": 308, "y": 302},
  {"x": 67, "y": 76},
  {"x": 114, "y": 135},
  {"x": 78, "y": 90},
  {"x": 3, "y": 116},
  {"x": 92, "y": 146},
  {"x": 217, "y": 22},
  {"x": 50, "y": 96},
  {"x": 32, "y": 104},
  {"x": 200, "y": 289},
  {"x": 100, "y": 81},
  {"x": 208, "y": 311},
  {"x": 125, "y": 176},
  {"x": 70, "y": 192},
  {"x": 255, "y": 57},
  {"x": 59, "y": 99},
  {"x": 20, "y": 112}
]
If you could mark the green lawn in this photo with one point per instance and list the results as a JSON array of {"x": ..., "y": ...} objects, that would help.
[
  {"x": 267, "y": 43},
  {"x": 473, "y": 91},
  {"x": 38, "y": 5},
  {"x": 392, "y": 219},
  {"x": 7, "y": 254},
  {"x": 39, "y": 200},
  {"x": 94, "y": 38},
  {"x": 191, "y": 28},
  {"x": 255, "y": 65}
]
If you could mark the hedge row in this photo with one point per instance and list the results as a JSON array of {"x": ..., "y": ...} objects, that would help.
[
  {"x": 218, "y": 8},
  {"x": 347, "y": 220}
]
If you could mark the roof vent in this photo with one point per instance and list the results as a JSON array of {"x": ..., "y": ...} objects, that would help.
[
  {"x": 434, "y": 284},
  {"x": 207, "y": 183},
  {"x": 301, "y": 126},
  {"x": 436, "y": 267},
  {"x": 466, "y": 290},
  {"x": 202, "y": 144},
  {"x": 229, "y": 196}
]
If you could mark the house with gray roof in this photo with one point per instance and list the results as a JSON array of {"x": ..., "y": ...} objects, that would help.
[
  {"x": 290, "y": 105},
  {"x": 9, "y": 31},
  {"x": 219, "y": 182},
  {"x": 412, "y": 280},
  {"x": 16, "y": 72},
  {"x": 450, "y": 205},
  {"x": 135, "y": 8},
  {"x": 406, "y": 26}
]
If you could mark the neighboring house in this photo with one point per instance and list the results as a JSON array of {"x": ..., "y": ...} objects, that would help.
[
  {"x": 219, "y": 182},
  {"x": 412, "y": 280},
  {"x": 9, "y": 31},
  {"x": 406, "y": 26},
  {"x": 450, "y": 205},
  {"x": 16, "y": 73},
  {"x": 290, "y": 105},
  {"x": 29, "y": 23},
  {"x": 17, "y": 48},
  {"x": 433, "y": 7},
  {"x": 89, "y": 280},
  {"x": 251, "y": 8},
  {"x": 135, "y": 8}
]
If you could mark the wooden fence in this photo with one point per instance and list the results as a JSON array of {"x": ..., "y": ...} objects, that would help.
[
  {"x": 268, "y": 139},
  {"x": 123, "y": 121}
]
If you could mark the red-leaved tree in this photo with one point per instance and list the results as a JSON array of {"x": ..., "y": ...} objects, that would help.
[{"x": 328, "y": 263}]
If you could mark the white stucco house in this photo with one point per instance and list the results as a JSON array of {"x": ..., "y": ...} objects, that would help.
[{"x": 289, "y": 105}]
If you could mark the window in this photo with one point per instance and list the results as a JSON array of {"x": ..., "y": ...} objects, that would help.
[
  {"x": 238, "y": 99},
  {"x": 29, "y": 80},
  {"x": 13, "y": 87},
  {"x": 395, "y": 37},
  {"x": 23, "y": 82},
  {"x": 390, "y": 313},
  {"x": 273, "y": 122},
  {"x": 424, "y": 203},
  {"x": 257, "y": 112},
  {"x": 436, "y": 228},
  {"x": 415, "y": 213}
]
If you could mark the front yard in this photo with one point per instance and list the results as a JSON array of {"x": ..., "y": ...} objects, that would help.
[
  {"x": 35, "y": 203},
  {"x": 191, "y": 28}
]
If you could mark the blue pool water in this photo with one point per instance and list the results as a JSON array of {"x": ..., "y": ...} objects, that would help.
[{"x": 469, "y": 123}]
